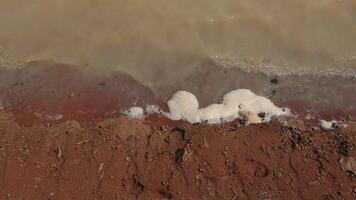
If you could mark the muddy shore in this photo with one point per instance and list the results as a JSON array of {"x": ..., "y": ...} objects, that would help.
[
  {"x": 50, "y": 92},
  {"x": 62, "y": 136}
]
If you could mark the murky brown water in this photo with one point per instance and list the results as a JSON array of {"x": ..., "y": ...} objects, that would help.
[{"x": 157, "y": 37}]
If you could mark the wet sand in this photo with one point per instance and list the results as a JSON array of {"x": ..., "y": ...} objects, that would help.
[{"x": 50, "y": 92}]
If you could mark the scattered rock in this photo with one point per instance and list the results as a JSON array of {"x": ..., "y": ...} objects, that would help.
[
  {"x": 344, "y": 148},
  {"x": 51, "y": 195},
  {"x": 179, "y": 154},
  {"x": 328, "y": 197},
  {"x": 348, "y": 164},
  {"x": 294, "y": 123},
  {"x": 250, "y": 117},
  {"x": 354, "y": 191},
  {"x": 58, "y": 152},
  {"x": 102, "y": 83},
  {"x": 137, "y": 183}
]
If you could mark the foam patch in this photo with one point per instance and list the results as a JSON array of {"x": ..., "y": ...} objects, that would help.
[
  {"x": 241, "y": 103},
  {"x": 135, "y": 113}
]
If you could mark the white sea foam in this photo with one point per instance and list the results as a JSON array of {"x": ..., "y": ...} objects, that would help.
[
  {"x": 344, "y": 67},
  {"x": 135, "y": 113},
  {"x": 150, "y": 109},
  {"x": 327, "y": 124},
  {"x": 241, "y": 103}
]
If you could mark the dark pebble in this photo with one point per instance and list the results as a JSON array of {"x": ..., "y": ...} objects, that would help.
[
  {"x": 274, "y": 81},
  {"x": 262, "y": 115}
]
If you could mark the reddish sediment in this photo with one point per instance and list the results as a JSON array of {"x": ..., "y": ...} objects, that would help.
[
  {"x": 46, "y": 92},
  {"x": 121, "y": 158}
]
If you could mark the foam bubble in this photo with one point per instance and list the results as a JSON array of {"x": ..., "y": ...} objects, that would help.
[
  {"x": 241, "y": 103},
  {"x": 150, "y": 109},
  {"x": 328, "y": 124},
  {"x": 183, "y": 105},
  {"x": 135, "y": 113}
]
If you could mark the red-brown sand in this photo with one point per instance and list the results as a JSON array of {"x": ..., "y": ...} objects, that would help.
[{"x": 121, "y": 158}]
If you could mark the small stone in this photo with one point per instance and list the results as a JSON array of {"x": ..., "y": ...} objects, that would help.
[
  {"x": 179, "y": 154},
  {"x": 163, "y": 128},
  {"x": 51, "y": 195},
  {"x": 354, "y": 191},
  {"x": 314, "y": 183},
  {"x": 279, "y": 174},
  {"x": 274, "y": 81},
  {"x": 75, "y": 124},
  {"x": 76, "y": 162},
  {"x": 262, "y": 115},
  {"x": 250, "y": 117},
  {"x": 102, "y": 84},
  {"x": 58, "y": 151},
  {"x": 348, "y": 164}
]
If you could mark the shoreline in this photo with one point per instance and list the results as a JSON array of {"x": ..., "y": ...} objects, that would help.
[
  {"x": 62, "y": 136},
  {"x": 48, "y": 92},
  {"x": 178, "y": 100}
]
